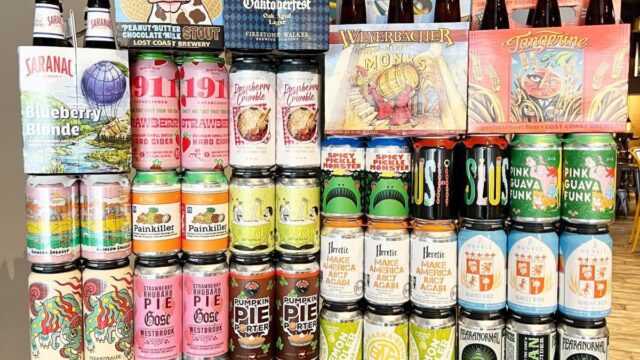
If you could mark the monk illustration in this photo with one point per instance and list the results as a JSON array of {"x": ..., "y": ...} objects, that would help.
[{"x": 396, "y": 109}]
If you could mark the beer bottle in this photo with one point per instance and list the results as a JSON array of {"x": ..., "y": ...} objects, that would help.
[
  {"x": 400, "y": 11},
  {"x": 495, "y": 15},
  {"x": 48, "y": 24},
  {"x": 98, "y": 24},
  {"x": 353, "y": 12},
  {"x": 547, "y": 14},
  {"x": 600, "y": 12},
  {"x": 447, "y": 11}
]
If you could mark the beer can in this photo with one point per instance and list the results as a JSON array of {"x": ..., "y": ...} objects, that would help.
[
  {"x": 157, "y": 284},
  {"x": 386, "y": 333},
  {"x": 55, "y": 311},
  {"x": 589, "y": 181},
  {"x": 530, "y": 338},
  {"x": 298, "y": 211},
  {"x": 480, "y": 335},
  {"x": 585, "y": 269},
  {"x": 156, "y": 213},
  {"x": 155, "y": 112},
  {"x": 433, "y": 265},
  {"x": 343, "y": 164},
  {"x": 532, "y": 288},
  {"x": 252, "y": 204},
  {"x": 583, "y": 339},
  {"x": 340, "y": 331},
  {"x": 205, "y": 212},
  {"x": 534, "y": 176},
  {"x": 482, "y": 279},
  {"x": 298, "y": 113},
  {"x": 432, "y": 334},
  {"x": 386, "y": 264},
  {"x": 252, "y": 102},
  {"x": 388, "y": 177},
  {"x": 204, "y": 112},
  {"x": 252, "y": 301},
  {"x": 105, "y": 211},
  {"x": 433, "y": 185},
  {"x": 297, "y": 306},
  {"x": 342, "y": 262},
  {"x": 206, "y": 307},
  {"x": 484, "y": 177},
  {"x": 107, "y": 293},
  {"x": 53, "y": 219}
]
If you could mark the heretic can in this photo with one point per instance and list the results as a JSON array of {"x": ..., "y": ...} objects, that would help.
[
  {"x": 157, "y": 284},
  {"x": 340, "y": 331},
  {"x": 534, "y": 176},
  {"x": 387, "y": 178},
  {"x": 205, "y": 320},
  {"x": 343, "y": 164},
  {"x": 386, "y": 333},
  {"x": 298, "y": 115},
  {"x": 252, "y": 204},
  {"x": 432, "y": 334},
  {"x": 485, "y": 177},
  {"x": 433, "y": 185},
  {"x": 55, "y": 311},
  {"x": 297, "y": 306},
  {"x": 530, "y": 338},
  {"x": 585, "y": 268},
  {"x": 589, "y": 179},
  {"x": 583, "y": 339},
  {"x": 252, "y": 111},
  {"x": 252, "y": 307},
  {"x": 482, "y": 275},
  {"x": 480, "y": 335},
  {"x": 342, "y": 262},
  {"x": 107, "y": 292}
]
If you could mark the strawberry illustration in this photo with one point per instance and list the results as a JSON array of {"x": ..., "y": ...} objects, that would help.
[
  {"x": 176, "y": 135},
  {"x": 159, "y": 62},
  {"x": 219, "y": 164},
  {"x": 156, "y": 165},
  {"x": 183, "y": 100},
  {"x": 181, "y": 73},
  {"x": 186, "y": 141}
]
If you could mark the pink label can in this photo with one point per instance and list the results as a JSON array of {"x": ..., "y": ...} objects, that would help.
[
  {"x": 204, "y": 113},
  {"x": 155, "y": 112}
]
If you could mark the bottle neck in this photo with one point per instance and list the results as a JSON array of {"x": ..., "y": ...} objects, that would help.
[
  {"x": 99, "y": 26},
  {"x": 48, "y": 22}
]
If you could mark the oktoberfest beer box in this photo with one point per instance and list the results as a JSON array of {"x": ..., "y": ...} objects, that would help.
[
  {"x": 163, "y": 24},
  {"x": 400, "y": 79},
  {"x": 559, "y": 80},
  {"x": 75, "y": 110}
]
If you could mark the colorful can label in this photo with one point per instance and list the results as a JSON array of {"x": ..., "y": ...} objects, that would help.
[
  {"x": 204, "y": 113},
  {"x": 253, "y": 223},
  {"x": 386, "y": 342},
  {"x": 431, "y": 343},
  {"x": 298, "y": 213},
  {"x": 475, "y": 343},
  {"x": 343, "y": 164},
  {"x": 433, "y": 269},
  {"x": 386, "y": 265},
  {"x": 205, "y": 216},
  {"x": 342, "y": 264},
  {"x": 520, "y": 346},
  {"x": 580, "y": 347},
  {"x": 433, "y": 197},
  {"x": 341, "y": 340},
  {"x": 388, "y": 176},
  {"x": 156, "y": 221},
  {"x": 155, "y": 114}
]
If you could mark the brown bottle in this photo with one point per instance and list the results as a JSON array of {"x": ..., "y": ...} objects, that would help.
[
  {"x": 600, "y": 12},
  {"x": 99, "y": 33},
  {"x": 48, "y": 25},
  {"x": 495, "y": 15},
  {"x": 547, "y": 14},
  {"x": 400, "y": 11},
  {"x": 447, "y": 11},
  {"x": 353, "y": 12}
]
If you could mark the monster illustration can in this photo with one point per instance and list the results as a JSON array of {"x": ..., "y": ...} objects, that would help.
[
  {"x": 107, "y": 293},
  {"x": 388, "y": 177},
  {"x": 589, "y": 179},
  {"x": 534, "y": 178},
  {"x": 432, "y": 334},
  {"x": 340, "y": 331},
  {"x": 584, "y": 269},
  {"x": 530, "y": 338},
  {"x": 433, "y": 185},
  {"x": 484, "y": 177},
  {"x": 252, "y": 204},
  {"x": 342, "y": 262},
  {"x": 343, "y": 164},
  {"x": 583, "y": 339},
  {"x": 53, "y": 219},
  {"x": 386, "y": 333},
  {"x": 480, "y": 335},
  {"x": 55, "y": 311}
]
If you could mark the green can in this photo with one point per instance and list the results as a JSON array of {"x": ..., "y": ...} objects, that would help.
[
  {"x": 535, "y": 178},
  {"x": 340, "y": 331},
  {"x": 432, "y": 334},
  {"x": 589, "y": 179}
]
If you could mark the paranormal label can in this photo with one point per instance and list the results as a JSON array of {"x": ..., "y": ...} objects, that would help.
[
  {"x": 480, "y": 335},
  {"x": 432, "y": 334},
  {"x": 342, "y": 262},
  {"x": 298, "y": 211},
  {"x": 386, "y": 265},
  {"x": 530, "y": 338},
  {"x": 343, "y": 165},
  {"x": 583, "y": 339},
  {"x": 340, "y": 331},
  {"x": 386, "y": 333}
]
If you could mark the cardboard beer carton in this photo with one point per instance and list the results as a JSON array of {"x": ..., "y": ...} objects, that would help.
[
  {"x": 399, "y": 79},
  {"x": 165, "y": 24},
  {"x": 75, "y": 110}
]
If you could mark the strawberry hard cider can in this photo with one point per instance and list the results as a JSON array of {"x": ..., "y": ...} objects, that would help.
[
  {"x": 204, "y": 112},
  {"x": 155, "y": 112}
]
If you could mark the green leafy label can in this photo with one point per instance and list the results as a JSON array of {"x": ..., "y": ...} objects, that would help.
[
  {"x": 340, "y": 332},
  {"x": 386, "y": 333},
  {"x": 589, "y": 179},
  {"x": 432, "y": 334},
  {"x": 298, "y": 211},
  {"x": 535, "y": 178}
]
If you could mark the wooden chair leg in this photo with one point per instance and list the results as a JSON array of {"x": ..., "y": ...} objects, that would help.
[{"x": 635, "y": 229}]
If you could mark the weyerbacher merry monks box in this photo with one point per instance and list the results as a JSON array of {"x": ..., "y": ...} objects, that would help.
[
  {"x": 75, "y": 110},
  {"x": 400, "y": 79}
]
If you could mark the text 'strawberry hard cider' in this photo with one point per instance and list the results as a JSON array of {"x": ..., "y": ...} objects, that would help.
[
  {"x": 204, "y": 113},
  {"x": 155, "y": 112}
]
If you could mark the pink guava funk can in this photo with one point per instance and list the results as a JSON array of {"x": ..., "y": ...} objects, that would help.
[
  {"x": 204, "y": 112},
  {"x": 53, "y": 229},
  {"x": 155, "y": 112},
  {"x": 105, "y": 216},
  {"x": 157, "y": 291}
]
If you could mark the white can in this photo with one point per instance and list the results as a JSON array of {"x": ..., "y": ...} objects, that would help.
[
  {"x": 386, "y": 265},
  {"x": 342, "y": 264}
]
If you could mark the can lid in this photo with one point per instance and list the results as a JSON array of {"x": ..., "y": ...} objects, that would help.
[
  {"x": 433, "y": 313},
  {"x": 589, "y": 138},
  {"x": 385, "y": 309},
  {"x": 388, "y": 141},
  {"x": 299, "y": 61},
  {"x": 249, "y": 173},
  {"x": 296, "y": 258},
  {"x": 534, "y": 139},
  {"x": 435, "y": 225},
  {"x": 204, "y": 259},
  {"x": 54, "y": 268},
  {"x": 476, "y": 224},
  {"x": 153, "y": 55},
  {"x": 93, "y": 179},
  {"x": 156, "y": 177},
  {"x": 209, "y": 177},
  {"x": 252, "y": 59},
  {"x": 51, "y": 180},
  {"x": 344, "y": 141},
  {"x": 533, "y": 320},
  {"x": 202, "y": 57},
  {"x": 587, "y": 229},
  {"x": 334, "y": 306},
  {"x": 158, "y": 261},
  {"x": 257, "y": 259},
  {"x": 533, "y": 227},
  {"x": 106, "y": 265},
  {"x": 491, "y": 315},
  {"x": 299, "y": 173},
  {"x": 584, "y": 324}
]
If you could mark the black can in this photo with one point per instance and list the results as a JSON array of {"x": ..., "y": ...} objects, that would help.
[{"x": 530, "y": 338}]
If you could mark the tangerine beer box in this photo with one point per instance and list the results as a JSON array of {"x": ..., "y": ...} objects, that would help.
[
  {"x": 400, "y": 79},
  {"x": 75, "y": 110}
]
